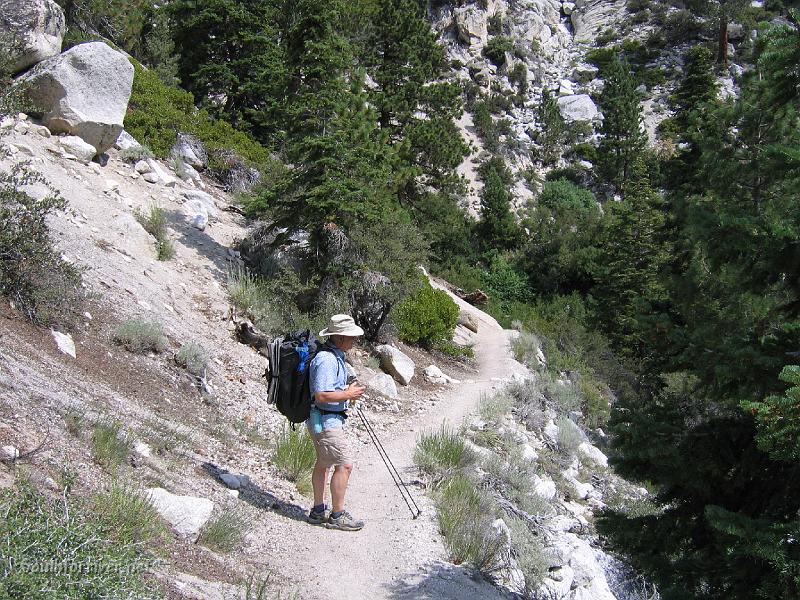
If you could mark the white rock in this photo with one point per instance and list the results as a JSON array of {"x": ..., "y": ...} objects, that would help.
[
  {"x": 544, "y": 487},
  {"x": 396, "y": 363},
  {"x": 500, "y": 527},
  {"x": 151, "y": 177},
  {"x": 568, "y": 8},
  {"x": 37, "y": 25},
  {"x": 529, "y": 454},
  {"x": 566, "y": 88},
  {"x": 735, "y": 31},
  {"x": 197, "y": 198},
  {"x": 142, "y": 449},
  {"x": 163, "y": 177},
  {"x": 384, "y": 384},
  {"x": 9, "y": 453},
  {"x": 83, "y": 92},
  {"x": 551, "y": 431},
  {"x": 560, "y": 523},
  {"x": 471, "y": 25},
  {"x": 579, "y": 107},
  {"x": 199, "y": 221},
  {"x": 64, "y": 342},
  {"x": 186, "y": 514},
  {"x": 126, "y": 141},
  {"x": 189, "y": 149},
  {"x": 142, "y": 166},
  {"x": 594, "y": 454},
  {"x": 81, "y": 150},
  {"x": 558, "y": 583},
  {"x": 434, "y": 374}
]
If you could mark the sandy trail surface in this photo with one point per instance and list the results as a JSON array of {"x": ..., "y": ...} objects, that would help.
[{"x": 395, "y": 556}]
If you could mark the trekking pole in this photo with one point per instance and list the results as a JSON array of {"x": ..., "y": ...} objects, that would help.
[{"x": 395, "y": 474}]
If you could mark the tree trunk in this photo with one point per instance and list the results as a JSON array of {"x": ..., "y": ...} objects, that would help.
[{"x": 722, "y": 53}]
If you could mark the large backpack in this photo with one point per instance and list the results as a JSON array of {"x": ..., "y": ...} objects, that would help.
[{"x": 287, "y": 374}]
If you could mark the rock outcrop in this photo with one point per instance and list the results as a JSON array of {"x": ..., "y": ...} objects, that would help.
[
  {"x": 396, "y": 363},
  {"x": 35, "y": 30},
  {"x": 83, "y": 92},
  {"x": 579, "y": 107}
]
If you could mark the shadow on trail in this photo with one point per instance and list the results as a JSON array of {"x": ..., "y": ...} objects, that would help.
[
  {"x": 443, "y": 581},
  {"x": 252, "y": 494}
]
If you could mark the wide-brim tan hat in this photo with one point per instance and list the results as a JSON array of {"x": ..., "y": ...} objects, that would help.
[{"x": 342, "y": 325}]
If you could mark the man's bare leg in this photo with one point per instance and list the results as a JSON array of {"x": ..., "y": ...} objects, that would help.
[{"x": 341, "y": 475}]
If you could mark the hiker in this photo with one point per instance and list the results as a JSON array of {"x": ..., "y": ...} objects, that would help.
[{"x": 331, "y": 393}]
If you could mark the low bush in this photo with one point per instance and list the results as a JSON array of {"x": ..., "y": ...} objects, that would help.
[
  {"x": 294, "y": 454},
  {"x": 495, "y": 50},
  {"x": 681, "y": 26},
  {"x": 60, "y": 549},
  {"x": 225, "y": 531},
  {"x": 193, "y": 357},
  {"x": 127, "y": 514},
  {"x": 110, "y": 446},
  {"x": 440, "y": 454},
  {"x": 426, "y": 317},
  {"x": 136, "y": 153},
  {"x": 526, "y": 349},
  {"x": 594, "y": 404},
  {"x": 465, "y": 519},
  {"x": 140, "y": 336},
  {"x": 453, "y": 350},
  {"x": 492, "y": 408},
  {"x": 532, "y": 557},
  {"x": 155, "y": 223},
  {"x": 562, "y": 395},
  {"x": 569, "y": 436}
]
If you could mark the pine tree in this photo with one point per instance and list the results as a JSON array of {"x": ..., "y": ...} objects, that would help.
[
  {"x": 623, "y": 138},
  {"x": 553, "y": 128},
  {"x": 230, "y": 59},
  {"x": 498, "y": 227},
  {"x": 628, "y": 271}
]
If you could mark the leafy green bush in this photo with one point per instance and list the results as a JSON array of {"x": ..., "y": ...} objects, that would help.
[
  {"x": 140, "y": 336},
  {"x": 110, "y": 446},
  {"x": 59, "y": 549},
  {"x": 193, "y": 357},
  {"x": 495, "y": 50},
  {"x": 440, "y": 454},
  {"x": 426, "y": 317},
  {"x": 294, "y": 454}
]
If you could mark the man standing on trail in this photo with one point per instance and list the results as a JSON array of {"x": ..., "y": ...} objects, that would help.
[{"x": 331, "y": 395}]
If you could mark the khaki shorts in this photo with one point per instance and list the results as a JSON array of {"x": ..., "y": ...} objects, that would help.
[{"x": 332, "y": 447}]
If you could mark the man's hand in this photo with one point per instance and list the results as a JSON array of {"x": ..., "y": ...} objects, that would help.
[{"x": 355, "y": 390}]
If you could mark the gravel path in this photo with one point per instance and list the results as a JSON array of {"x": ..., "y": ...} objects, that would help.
[{"x": 395, "y": 556}]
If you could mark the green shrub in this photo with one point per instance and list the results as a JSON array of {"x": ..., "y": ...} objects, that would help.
[
  {"x": 532, "y": 557},
  {"x": 225, "y": 531},
  {"x": 440, "y": 454},
  {"x": 136, "y": 153},
  {"x": 585, "y": 151},
  {"x": 595, "y": 405},
  {"x": 426, "y": 317},
  {"x": 110, "y": 447},
  {"x": 526, "y": 348},
  {"x": 465, "y": 520},
  {"x": 492, "y": 408},
  {"x": 140, "y": 336},
  {"x": 294, "y": 454},
  {"x": 158, "y": 112},
  {"x": 569, "y": 436},
  {"x": 127, "y": 514},
  {"x": 155, "y": 223},
  {"x": 453, "y": 350},
  {"x": 59, "y": 549},
  {"x": 193, "y": 358},
  {"x": 495, "y": 50},
  {"x": 681, "y": 26},
  {"x": 563, "y": 396}
]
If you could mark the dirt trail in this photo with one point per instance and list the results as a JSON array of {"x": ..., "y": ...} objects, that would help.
[{"x": 395, "y": 556}]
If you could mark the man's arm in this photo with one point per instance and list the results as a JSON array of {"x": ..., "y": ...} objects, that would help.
[{"x": 353, "y": 391}]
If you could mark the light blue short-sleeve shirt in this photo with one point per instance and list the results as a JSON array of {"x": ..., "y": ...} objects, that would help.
[{"x": 329, "y": 374}]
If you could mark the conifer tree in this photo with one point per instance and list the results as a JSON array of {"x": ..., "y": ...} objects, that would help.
[
  {"x": 498, "y": 227},
  {"x": 230, "y": 59},
  {"x": 628, "y": 270},
  {"x": 623, "y": 138},
  {"x": 553, "y": 130}
]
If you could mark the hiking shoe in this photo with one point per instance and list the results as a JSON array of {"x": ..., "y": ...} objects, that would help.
[
  {"x": 318, "y": 517},
  {"x": 345, "y": 522}
]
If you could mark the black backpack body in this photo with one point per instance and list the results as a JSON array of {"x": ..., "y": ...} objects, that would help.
[{"x": 288, "y": 374}]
